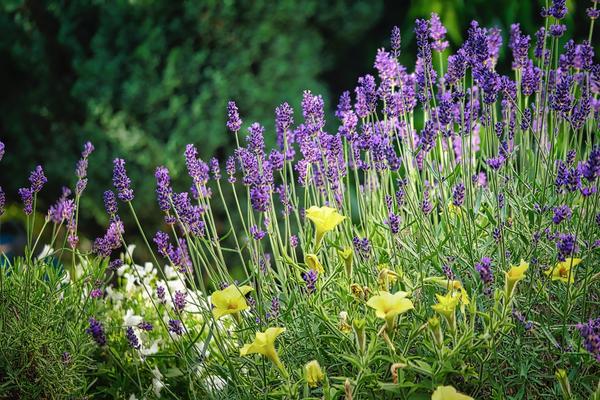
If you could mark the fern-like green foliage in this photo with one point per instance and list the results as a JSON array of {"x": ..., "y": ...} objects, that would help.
[{"x": 45, "y": 352}]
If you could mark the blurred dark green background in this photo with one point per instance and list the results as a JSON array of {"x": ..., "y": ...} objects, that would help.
[{"x": 143, "y": 78}]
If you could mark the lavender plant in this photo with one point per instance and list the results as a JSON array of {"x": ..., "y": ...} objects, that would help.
[{"x": 442, "y": 243}]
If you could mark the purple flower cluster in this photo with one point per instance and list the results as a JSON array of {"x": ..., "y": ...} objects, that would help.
[
  {"x": 561, "y": 213},
  {"x": 590, "y": 333},
  {"x": 234, "y": 123},
  {"x": 112, "y": 239},
  {"x": 121, "y": 181},
  {"x": 179, "y": 301},
  {"x": 81, "y": 168},
  {"x": 163, "y": 188},
  {"x": 37, "y": 180},
  {"x": 175, "y": 326},
  {"x": 566, "y": 245},
  {"x": 96, "y": 331},
  {"x": 310, "y": 280},
  {"x": 178, "y": 256},
  {"x": 257, "y": 233},
  {"x": 393, "y": 222},
  {"x": 484, "y": 267},
  {"x": 458, "y": 194},
  {"x": 132, "y": 338}
]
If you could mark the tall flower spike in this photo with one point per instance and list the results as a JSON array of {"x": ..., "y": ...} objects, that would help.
[
  {"x": 264, "y": 343},
  {"x": 388, "y": 306},
  {"x": 2, "y": 149},
  {"x": 37, "y": 179},
  {"x": 230, "y": 300},
  {"x": 234, "y": 123},
  {"x": 121, "y": 181},
  {"x": 325, "y": 219}
]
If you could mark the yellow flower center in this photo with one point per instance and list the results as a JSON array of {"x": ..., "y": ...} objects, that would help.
[{"x": 563, "y": 272}]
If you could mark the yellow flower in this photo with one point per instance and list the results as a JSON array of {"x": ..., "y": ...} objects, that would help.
[
  {"x": 347, "y": 255},
  {"x": 325, "y": 220},
  {"x": 448, "y": 393},
  {"x": 562, "y": 272},
  {"x": 387, "y": 306},
  {"x": 264, "y": 344},
  {"x": 446, "y": 307},
  {"x": 313, "y": 373},
  {"x": 313, "y": 262},
  {"x": 230, "y": 300},
  {"x": 454, "y": 210},
  {"x": 515, "y": 274}
]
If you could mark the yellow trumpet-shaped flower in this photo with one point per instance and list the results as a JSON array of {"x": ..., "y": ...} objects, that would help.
[
  {"x": 515, "y": 274},
  {"x": 446, "y": 306},
  {"x": 563, "y": 270},
  {"x": 313, "y": 373},
  {"x": 230, "y": 300},
  {"x": 387, "y": 306},
  {"x": 264, "y": 344},
  {"x": 313, "y": 262},
  {"x": 448, "y": 393},
  {"x": 325, "y": 220}
]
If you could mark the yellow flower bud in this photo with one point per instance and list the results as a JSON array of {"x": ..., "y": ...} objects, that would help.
[
  {"x": 313, "y": 263},
  {"x": 313, "y": 373}
]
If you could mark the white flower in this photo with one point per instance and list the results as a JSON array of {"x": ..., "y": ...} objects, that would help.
[
  {"x": 131, "y": 282},
  {"x": 215, "y": 383},
  {"x": 130, "y": 319},
  {"x": 114, "y": 295},
  {"x": 157, "y": 383},
  {"x": 153, "y": 349},
  {"x": 170, "y": 272},
  {"x": 46, "y": 252}
]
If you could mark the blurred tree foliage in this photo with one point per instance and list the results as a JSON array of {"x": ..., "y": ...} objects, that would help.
[{"x": 142, "y": 78}]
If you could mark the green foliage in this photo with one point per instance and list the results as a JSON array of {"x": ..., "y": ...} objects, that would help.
[{"x": 45, "y": 352}]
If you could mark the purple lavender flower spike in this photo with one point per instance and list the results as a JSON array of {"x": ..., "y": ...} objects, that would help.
[
  {"x": 310, "y": 279},
  {"x": 132, "y": 338},
  {"x": 561, "y": 213},
  {"x": 2, "y": 150},
  {"x": 37, "y": 179},
  {"x": 110, "y": 203},
  {"x": 234, "y": 123},
  {"x": 27, "y": 198},
  {"x": 121, "y": 181},
  {"x": 458, "y": 194},
  {"x": 484, "y": 267},
  {"x": 163, "y": 188},
  {"x": 395, "y": 41},
  {"x": 437, "y": 33},
  {"x": 257, "y": 233},
  {"x": 176, "y": 327},
  {"x": 590, "y": 333},
  {"x": 96, "y": 331},
  {"x": 179, "y": 301}
]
